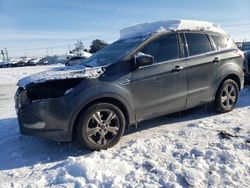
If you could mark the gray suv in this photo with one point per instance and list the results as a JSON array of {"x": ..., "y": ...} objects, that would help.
[{"x": 141, "y": 76}]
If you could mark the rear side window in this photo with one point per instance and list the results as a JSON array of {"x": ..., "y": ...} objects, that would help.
[
  {"x": 164, "y": 48},
  {"x": 231, "y": 43},
  {"x": 223, "y": 42},
  {"x": 197, "y": 43},
  {"x": 220, "y": 41}
]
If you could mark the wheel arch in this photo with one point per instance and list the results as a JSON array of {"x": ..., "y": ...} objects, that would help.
[
  {"x": 233, "y": 76},
  {"x": 118, "y": 101}
]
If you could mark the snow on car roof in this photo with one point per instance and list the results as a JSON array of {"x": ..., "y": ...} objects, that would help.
[{"x": 169, "y": 25}]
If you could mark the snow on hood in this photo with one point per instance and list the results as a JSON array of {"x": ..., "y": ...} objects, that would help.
[
  {"x": 78, "y": 71},
  {"x": 169, "y": 25}
]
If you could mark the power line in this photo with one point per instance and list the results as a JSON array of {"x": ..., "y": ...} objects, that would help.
[
  {"x": 39, "y": 48},
  {"x": 232, "y": 25}
]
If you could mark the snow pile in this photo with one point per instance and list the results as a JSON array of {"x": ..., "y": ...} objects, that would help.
[
  {"x": 178, "y": 153},
  {"x": 169, "y": 25},
  {"x": 12, "y": 75},
  {"x": 172, "y": 151},
  {"x": 78, "y": 71}
]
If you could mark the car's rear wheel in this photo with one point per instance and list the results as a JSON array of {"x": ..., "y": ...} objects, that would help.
[
  {"x": 101, "y": 126},
  {"x": 226, "y": 96}
]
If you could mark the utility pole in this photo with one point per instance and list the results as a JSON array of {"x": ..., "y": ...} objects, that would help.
[
  {"x": 51, "y": 51},
  {"x": 6, "y": 54},
  {"x": 2, "y": 52}
]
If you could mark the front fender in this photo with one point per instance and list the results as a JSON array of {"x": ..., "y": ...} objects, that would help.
[{"x": 100, "y": 90}]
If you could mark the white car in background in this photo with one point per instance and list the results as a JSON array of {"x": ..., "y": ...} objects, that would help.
[{"x": 75, "y": 59}]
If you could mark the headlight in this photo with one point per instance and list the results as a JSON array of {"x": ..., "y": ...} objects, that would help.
[
  {"x": 51, "y": 89},
  {"x": 20, "y": 98}
]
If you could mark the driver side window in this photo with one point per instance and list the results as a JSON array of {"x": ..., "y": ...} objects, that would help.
[{"x": 164, "y": 48}]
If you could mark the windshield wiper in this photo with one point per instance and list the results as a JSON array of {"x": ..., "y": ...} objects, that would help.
[{"x": 87, "y": 65}]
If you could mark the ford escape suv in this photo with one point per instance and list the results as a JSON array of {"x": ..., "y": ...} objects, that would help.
[{"x": 152, "y": 70}]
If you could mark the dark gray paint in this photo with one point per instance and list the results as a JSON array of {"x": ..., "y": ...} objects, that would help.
[{"x": 144, "y": 93}]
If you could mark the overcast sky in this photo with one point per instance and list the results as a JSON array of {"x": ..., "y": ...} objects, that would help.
[{"x": 33, "y": 27}]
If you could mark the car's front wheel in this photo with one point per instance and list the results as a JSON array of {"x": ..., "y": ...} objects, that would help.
[
  {"x": 101, "y": 126},
  {"x": 226, "y": 96}
]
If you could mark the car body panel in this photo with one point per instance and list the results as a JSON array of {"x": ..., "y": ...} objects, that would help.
[
  {"x": 165, "y": 90},
  {"x": 144, "y": 92},
  {"x": 199, "y": 89}
]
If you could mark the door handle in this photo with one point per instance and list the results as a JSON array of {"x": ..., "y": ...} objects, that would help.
[
  {"x": 216, "y": 60},
  {"x": 177, "y": 68}
]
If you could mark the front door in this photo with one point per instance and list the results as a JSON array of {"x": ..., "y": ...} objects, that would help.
[{"x": 160, "y": 88}]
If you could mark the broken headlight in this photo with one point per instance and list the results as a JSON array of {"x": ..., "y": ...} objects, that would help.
[{"x": 51, "y": 89}]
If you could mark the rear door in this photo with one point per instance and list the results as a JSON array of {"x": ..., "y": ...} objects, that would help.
[
  {"x": 160, "y": 88},
  {"x": 202, "y": 63}
]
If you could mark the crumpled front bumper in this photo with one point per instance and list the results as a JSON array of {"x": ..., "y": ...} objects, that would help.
[{"x": 48, "y": 118}]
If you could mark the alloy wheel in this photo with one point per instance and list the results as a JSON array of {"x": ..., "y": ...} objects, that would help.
[
  {"x": 102, "y": 127},
  {"x": 228, "y": 96}
]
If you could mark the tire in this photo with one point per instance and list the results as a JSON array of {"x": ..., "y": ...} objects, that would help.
[
  {"x": 101, "y": 126},
  {"x": 227, "y": 96}
]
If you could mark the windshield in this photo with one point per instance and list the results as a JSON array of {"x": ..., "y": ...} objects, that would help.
[{"x": 113, "y": 52}]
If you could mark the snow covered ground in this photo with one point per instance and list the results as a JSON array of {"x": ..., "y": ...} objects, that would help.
[
  {"x": 172, "y": 151},
  {"x": 12, "y": 75}
]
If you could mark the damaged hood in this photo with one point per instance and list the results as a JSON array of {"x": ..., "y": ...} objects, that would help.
[{"x": 78, "y": 71}]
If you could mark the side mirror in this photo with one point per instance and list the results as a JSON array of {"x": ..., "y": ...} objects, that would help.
[{"x": 142, "y": 59}]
